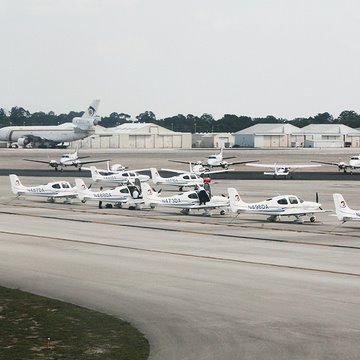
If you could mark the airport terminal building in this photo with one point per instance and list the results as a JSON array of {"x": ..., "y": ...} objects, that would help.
[{"x": 135, "y": 136}]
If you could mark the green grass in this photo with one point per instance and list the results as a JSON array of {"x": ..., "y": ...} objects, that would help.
[{"x": 27, "y": 321}]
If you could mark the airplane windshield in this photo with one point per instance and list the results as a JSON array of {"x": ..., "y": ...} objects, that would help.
[
  {"x": 56, "y": 186},
  {"x": 186, "y": 177},
  {"x": 65, "y": 185},
  {"x": 124, "y": 191},
  {"x": 301, "y": 200},
  {"x": 212, "y": 157},
  {"x": 355, "y": 158},
  {"x": 193, "y": 176},
  {"x": 293, "y": 200},
  {"x": 193, "y": 196},
  {"x": 282, "y": 201}
]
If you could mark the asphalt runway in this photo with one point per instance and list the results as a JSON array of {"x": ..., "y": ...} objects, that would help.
[{"x": 220, "y": 287}]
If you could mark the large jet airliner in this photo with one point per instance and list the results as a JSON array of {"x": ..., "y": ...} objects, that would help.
[{"x": 50, "y": 136}]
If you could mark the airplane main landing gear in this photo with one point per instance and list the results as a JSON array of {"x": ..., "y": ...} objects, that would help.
[{"x": 312, "y": 219}]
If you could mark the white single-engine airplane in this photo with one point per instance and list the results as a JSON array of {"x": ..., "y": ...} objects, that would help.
[
  {"x": 50, "y": 136},
  {"x": 67, "y": 160},
  {"x": 186, "y": 201},
  {"x": 280, "y": 170},
  {"x": 343, "y": 212},
  {"x": 354, "y": 163},
  {"x": 121, "y": 177},
  {"x": 125, "y": 194},
  {"x": 215, "y": 160},
  {"x": 282, "y": 205},
  {"x": 182, "y": 180},
  {"x": 52, "y": 191}
]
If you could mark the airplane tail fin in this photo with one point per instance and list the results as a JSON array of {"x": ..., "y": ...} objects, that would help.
[
  {"x": 81, "y": 188},
  {"x": 149, "y": 195},
  {"x": 156, "y": 178},
  {"x": 236, "y": 203},
  {"x": 95, "y": 174},
  {"x": 16, "y": 184},
  {"x": 92, "y": 109},
  {"x": 341, "y": 207}
]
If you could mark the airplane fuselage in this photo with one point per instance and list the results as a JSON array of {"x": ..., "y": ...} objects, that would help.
[{"x": 57, "y": 134}]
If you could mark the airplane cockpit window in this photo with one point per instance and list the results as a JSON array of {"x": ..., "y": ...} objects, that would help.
[
  {"x": 56, "y": 186},
  {"x": 212, "y": 157},
  {"x": 193, "y": 176},
  {"x": 125, "y": 174},
  {"x": 293, "y": 200},
  {"x": 282, "y": 201},
  {"x": 65, "y": 185},
  {"x": 132, "y": 174},
  {"x": 193, "y": 196},
  {"x": 186, "y": 177},
  {"x": 355, "y": 158},
  {"x": 301, "y": 200},
  {"x": 65, "y": 156},
  {"x": 268, "y": 199},
  {"x": 124, "y": 191}
]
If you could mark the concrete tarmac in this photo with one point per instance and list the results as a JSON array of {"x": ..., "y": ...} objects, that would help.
[{"x": 198, "y": 287}]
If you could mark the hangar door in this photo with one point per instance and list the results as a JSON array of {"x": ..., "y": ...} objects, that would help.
[{"x": 275, "y": 141}]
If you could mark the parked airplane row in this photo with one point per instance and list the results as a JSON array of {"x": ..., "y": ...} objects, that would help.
[{"x": 136, "y": 195}]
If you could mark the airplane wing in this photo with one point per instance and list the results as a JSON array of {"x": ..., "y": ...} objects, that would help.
[
  {"x": 42, "y": 161},
  {"x": 174, "y": 171},
  {"x": 183, "y": 161},
  {"x": 288, "y": 166},
  {"x": 242, "y": 162},
  {"x": 65, "y": 195},
  {"x": 229, "y": 157},
  {"x": 343, "y": 165},
  {"x": 91, "y": 162}
]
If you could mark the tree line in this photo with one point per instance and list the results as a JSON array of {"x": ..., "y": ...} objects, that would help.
[{"x": 182, "y": 123}]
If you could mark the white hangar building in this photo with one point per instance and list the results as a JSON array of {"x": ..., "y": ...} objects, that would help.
[
  {"x": 328, "y": 135},
  {"x": 268, "y": 136},
  {"x": 136, "y": 136},
  {"x": 212, "y": 140}
]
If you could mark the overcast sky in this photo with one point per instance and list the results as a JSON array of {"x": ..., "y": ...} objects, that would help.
[{"x": 287, "y": 58}]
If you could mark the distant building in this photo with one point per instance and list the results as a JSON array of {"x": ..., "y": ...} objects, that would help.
[
  {"x": 268, "y": 136},
  {"x": 328, "y": 136},
  {"x": 136, "y": 136},
  {"x": 212, "y": 140}
]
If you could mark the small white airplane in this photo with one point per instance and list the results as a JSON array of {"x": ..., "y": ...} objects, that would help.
[
  {"x": 280, "y": 170},
  {"x": 186, "y": 201},
  {"x": 282, "y": 205},
  {"x": 199, "y": 170},
  {"x": 125, "y": 194},
  {"x": 354, "y": 163},
  {"x": 122, "y": 177},
  {"x": 52, "y": 191},
  {"x": 183, "y": 180},
  {"x": 71, "y": 159},
  {"x": 50, "y": 136},
  {"x": 215, "y": 160},
  {"x": 343, "y": 212}
]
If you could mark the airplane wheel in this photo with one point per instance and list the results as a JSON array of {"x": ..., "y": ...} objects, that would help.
[
  {"x": 83, "y": 201},
  {"x": 312, "y": 219},
  {"x": 222, "y": 212},
  {"x": 56, "y": 169},
  {"x": 80, "y": 169},
  {"x": 180, "y": 188}
]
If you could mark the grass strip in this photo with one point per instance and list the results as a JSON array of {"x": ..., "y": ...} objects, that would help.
[{"x": 36, "y": 327}]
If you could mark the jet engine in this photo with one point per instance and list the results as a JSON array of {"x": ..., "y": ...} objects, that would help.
[
  {"x": 23, "y": 141},
  {"x": 86, "y": 124}
]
